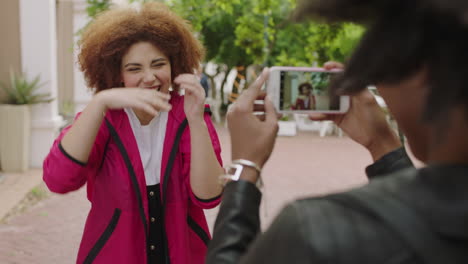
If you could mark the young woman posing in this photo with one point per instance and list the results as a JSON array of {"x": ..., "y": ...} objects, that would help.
[{"x": 149, "y": 156}]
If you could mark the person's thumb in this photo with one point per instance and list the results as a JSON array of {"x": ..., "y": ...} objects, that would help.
[
  {"x": 318, "y": 116},
  {"x": 270, "y": 111}
]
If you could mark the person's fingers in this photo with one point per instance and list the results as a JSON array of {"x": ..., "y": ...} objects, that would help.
[
  {"x": 330, "y": 65},
  {"x": 270, "y": 111},
  {"x": 186, "y": 78},
  {"x": 192, "y": 87},
  {"x": 164, "y": 96},
  {"x": 260, "y": 115},
  {"x": 156, "y": 102},
  {"x": 319, "y": 117},
  {"x": 163, "y": 106},
  {"x": 150, "y": 93},
  {"x": 247, "y": 98}
]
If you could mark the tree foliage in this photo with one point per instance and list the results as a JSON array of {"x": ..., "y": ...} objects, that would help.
[
  {"x": 242, "y": 32},
  {"x": 261, "y": 32},
  {"x": 94, "y": 7}
]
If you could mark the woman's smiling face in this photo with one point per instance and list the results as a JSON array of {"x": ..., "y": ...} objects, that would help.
[{"x": 145, "y": 66}]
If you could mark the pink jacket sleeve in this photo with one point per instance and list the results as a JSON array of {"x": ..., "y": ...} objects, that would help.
[{"x": 62, "y": 173}]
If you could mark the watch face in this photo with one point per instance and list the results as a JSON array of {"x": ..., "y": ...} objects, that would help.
[{"x": 233, "y": 172}]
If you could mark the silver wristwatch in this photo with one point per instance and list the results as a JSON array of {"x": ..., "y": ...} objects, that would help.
[{"x": 234, "y": 170}]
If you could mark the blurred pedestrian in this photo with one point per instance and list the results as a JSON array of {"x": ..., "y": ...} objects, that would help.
[{"x": 205, "y": 84}]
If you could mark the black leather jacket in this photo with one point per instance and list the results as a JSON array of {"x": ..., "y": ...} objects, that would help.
[{"x": 320, "y": 230}]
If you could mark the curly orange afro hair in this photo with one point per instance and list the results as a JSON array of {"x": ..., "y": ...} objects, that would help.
[{"x": 105, "y": 41}]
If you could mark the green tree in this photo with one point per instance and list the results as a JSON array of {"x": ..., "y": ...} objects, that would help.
[
  {"x": 333, "y": 41},
  {"x": 242, "y": 32},
  {"x": 218, "y": 36},
  {"x": 94, "y": 7}
]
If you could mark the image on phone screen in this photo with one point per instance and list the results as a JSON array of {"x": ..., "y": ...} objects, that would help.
[{"x": 301, "y": 90}]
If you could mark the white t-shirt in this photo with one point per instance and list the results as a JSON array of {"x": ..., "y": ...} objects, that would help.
[{"x": 150, "y": 140}]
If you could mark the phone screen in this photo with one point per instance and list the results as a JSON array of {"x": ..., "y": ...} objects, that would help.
[{"x": 301, "y": 90}]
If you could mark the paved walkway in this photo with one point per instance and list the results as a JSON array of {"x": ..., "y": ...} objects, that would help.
[{"x": 50, "y": 231}]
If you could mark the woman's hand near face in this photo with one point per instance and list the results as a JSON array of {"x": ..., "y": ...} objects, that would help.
[
  {"x": 147, "y": 100},
  {"x": 79, "y": 140},
  {"x": 251, "y": 138},
  {"x": 194, "y": 97},
  {"x": 365, "y": 122}
]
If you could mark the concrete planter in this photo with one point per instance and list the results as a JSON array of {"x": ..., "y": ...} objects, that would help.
[
  {"x": 15, "y": 132},
  {"x": 305, "y": 124},
  {"x": 287, "y": 128}
]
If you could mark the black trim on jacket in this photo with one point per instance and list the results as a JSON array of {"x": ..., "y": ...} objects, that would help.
[
  {"x": 131, "y": 171},
  {"x": 166, "y": 178},
  {"x": 69, "y": 156},
  {"x": 104, "y": 237},
  {"x": 170, "y": 162},
  {"x": 208, "y": 200},
  {"x": 105, "y": 152},
  {"x": 198, "y": 230}
]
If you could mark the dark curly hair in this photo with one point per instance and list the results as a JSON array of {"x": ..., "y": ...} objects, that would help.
[
  {"x": 306, "y": 84},
  {"x": 403, "y": 37},
  {"x": 108, "y": 38}
]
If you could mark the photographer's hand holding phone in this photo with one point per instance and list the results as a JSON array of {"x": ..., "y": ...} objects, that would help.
[
  {"x": 252, "y": 138},
  {"x": 365, "y": 122}
]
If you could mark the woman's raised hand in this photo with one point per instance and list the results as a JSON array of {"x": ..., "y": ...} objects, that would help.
[
  {"x": 194, "y": 97},
  {"x": 147, "y": 100}
]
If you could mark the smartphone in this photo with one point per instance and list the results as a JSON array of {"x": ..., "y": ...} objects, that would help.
[{"x": 304, "y": 90}]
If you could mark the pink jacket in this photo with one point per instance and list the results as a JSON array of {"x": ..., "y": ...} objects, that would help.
[{"x": 116, "y": 229}]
